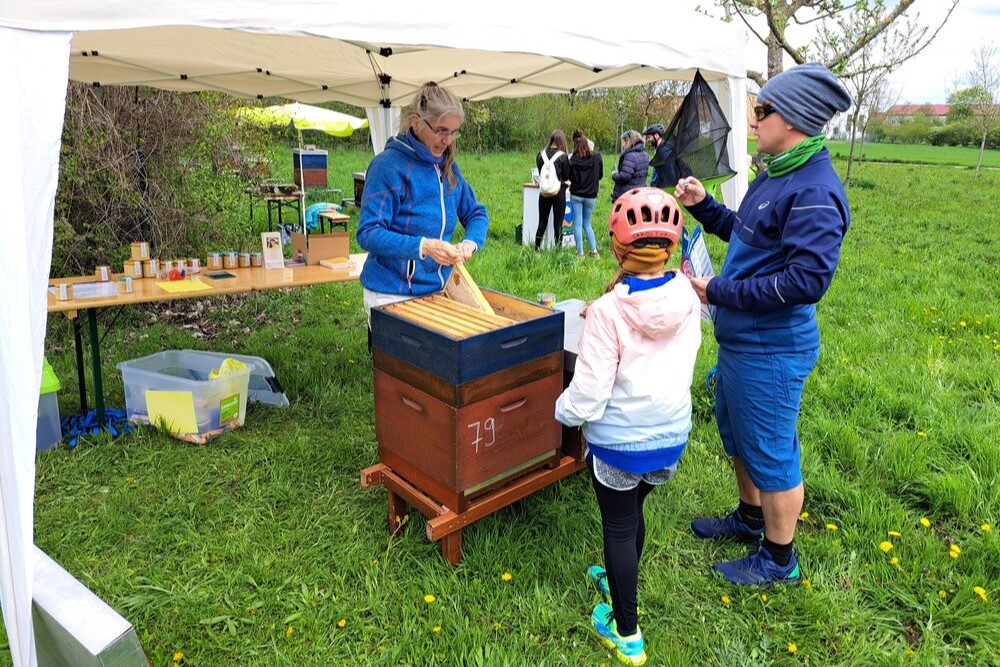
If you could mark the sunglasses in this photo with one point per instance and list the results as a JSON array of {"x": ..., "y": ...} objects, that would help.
[
  {"x": 762, "y": 111},
  {"x": 441, "y": 132}
]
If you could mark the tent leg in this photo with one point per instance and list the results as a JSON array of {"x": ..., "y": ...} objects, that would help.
[
  {"x": 80, "y": 374},
  {"x": 95, "y": 360}
]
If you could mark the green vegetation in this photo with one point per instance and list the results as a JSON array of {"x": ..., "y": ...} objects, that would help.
[
  {"x": 262, "y": 549},
  {"x": 958, "y": 156}
]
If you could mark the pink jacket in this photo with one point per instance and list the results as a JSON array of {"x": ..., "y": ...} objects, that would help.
[{"x": 633, "y": 375}]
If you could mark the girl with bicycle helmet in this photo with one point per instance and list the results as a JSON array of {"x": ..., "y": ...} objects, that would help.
[{"x": 631, "y": 394}]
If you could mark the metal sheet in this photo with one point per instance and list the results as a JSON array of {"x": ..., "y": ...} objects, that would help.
[{"x": 74, "y": 627}]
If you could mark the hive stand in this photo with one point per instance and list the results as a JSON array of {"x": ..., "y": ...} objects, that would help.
[{"x": 446, "y": 524}]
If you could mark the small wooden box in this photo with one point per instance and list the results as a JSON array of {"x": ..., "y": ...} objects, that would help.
[
  {"x": 537, "y": 331},
  {"x": 456, "y": 453}
]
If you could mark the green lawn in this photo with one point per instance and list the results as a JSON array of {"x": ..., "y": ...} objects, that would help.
[
  {"x": 918, "y": 154},
  {"x": 262, "y": 549}
]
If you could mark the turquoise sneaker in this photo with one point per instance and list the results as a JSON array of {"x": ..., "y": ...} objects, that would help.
[
  {"x": 629, "y": 650},
  {"x": 599, "y": 576}
]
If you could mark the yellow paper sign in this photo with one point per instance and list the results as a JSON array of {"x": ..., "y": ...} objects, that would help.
[
  {"x": 183, "y": 286},
  {"x": 173, "y": 410}
]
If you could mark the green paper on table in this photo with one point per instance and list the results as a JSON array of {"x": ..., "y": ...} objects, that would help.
[{"x": 174, "y": 410}]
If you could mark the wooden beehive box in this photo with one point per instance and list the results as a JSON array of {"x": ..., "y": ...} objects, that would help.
[
  {"x": 465, "y": 400},
  {"x": 454, "y": 453},
  {"x": 435, "y": 334}
]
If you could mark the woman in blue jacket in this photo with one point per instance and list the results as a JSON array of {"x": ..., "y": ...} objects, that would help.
[
  {"x": 633, "y": 165},
  {"x": 414, "y": 198},
  {"x": 784, "y": 247}
]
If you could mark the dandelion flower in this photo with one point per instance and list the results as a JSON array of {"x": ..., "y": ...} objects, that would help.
[
  {"x": 985, "y": 527},
  {"x": 921, "y": 434},
  {"x": 506, "y": 576},
  {"x": 954, "y": 548},
  {"x": 429, "y": 599},
  {"x": 763, "y": 597},
  {"x": 962, "y": 323},
  {"x": 942, "y": 593},
  {"x": 895, "y": 533},
  {"x": 726, "y": 600},
  {"x": 804, "y": 516},
  {"x": 342, "y": 623},
  {"x": 436, "y": 628},
  {"x": 981, "y": 592},
  {"x": 792, "y": 648},
  {"x": 496, "y": 625},
  {"x": 886, "y": 547},
  {"x": 954, "y": 554},
  {"x": 925, "y": 522},
  {"x": 806, "y": 583},
  {"x": 832, "y": 526},
  {"x": 909, "y": 653},
  {"x": 290, "y": 631},
  {"x": 178, "y": 656},
  {"x": 893, "y": 561}
]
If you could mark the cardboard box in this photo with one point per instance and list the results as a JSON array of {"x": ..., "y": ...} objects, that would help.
[{"x": 321, "y": 246}]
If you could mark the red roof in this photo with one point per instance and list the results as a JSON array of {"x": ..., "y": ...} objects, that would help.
[{"x": 914, "y": 109}]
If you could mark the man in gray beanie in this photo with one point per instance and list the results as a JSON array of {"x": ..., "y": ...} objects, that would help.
[{"x": 784, "y": 247}]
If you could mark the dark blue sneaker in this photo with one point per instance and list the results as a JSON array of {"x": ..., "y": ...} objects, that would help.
[
  {"x": 729, "y": 527},
  {"x": 758, "y": 569}
]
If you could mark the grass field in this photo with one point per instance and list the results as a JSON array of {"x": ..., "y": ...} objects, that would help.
[{"x": 262, "y": 549}]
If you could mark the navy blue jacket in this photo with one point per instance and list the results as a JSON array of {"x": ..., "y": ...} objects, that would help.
[
  {"x": 633, "y": 165},
  {"x": 784, "y": 246}
]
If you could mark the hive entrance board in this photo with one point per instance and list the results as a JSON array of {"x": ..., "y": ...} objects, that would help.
[
  {"x": 447, "y": 316},
  {"x": 463, "y": 289}
]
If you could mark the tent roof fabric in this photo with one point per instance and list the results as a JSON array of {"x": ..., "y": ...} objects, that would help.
[{"x": 319, "y": 51}]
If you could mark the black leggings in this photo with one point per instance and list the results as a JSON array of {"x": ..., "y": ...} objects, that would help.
[
  {"x": 546, "y": 205},
  {"x": 624, "y": 536}
]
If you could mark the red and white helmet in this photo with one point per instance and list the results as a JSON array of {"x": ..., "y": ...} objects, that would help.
[{"x": 646, "y": 213}]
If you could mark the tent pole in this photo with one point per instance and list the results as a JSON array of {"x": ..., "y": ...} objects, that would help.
[{"x": 302, "y": 186}]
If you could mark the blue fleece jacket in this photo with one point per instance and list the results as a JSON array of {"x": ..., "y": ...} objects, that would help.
[
  {"x": 406, "y": 200},
  {"x": 784, "y": 246}
]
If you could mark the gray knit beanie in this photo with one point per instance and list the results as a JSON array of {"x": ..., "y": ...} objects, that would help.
[{"x": 807, "y": 96}]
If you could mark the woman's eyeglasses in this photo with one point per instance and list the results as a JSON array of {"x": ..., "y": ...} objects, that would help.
[
  {"x": 441, "y": 132},
  {"x": 762, "y": 111}
]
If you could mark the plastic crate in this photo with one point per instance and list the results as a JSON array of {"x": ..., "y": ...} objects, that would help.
[
  {"x": 157, "y": 389},
  {"x": 48, "y": 433}
]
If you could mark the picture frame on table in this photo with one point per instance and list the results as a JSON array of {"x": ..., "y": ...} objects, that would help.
[{"x": 274, "y": 256}]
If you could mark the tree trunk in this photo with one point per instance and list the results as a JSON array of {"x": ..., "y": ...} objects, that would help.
[
  {"x": 850, "y": 153},
  {"x": 982, "y": 147}
]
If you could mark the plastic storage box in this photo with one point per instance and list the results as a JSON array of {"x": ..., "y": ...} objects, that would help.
[
  {"x": 48, "y": 433},
  {"x": 172, "y": 387},
  {"x": 264, "y": 386}
]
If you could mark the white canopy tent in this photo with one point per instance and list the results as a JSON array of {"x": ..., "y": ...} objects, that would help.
[{"x": 305, "y": 50}]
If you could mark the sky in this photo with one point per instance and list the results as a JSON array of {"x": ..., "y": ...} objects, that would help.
[{"x": 939, "y": 69}]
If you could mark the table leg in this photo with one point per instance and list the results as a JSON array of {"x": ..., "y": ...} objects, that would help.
[
  {"x": 80, "y": 373},
  {"x": 95, "y": 360},
  {"x": 451, "y": 547},
  {"x": 279, "y": 214},
  {"x": 270, "y": 225}
]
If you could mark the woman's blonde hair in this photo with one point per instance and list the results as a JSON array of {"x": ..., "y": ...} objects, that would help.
[
  {"x": 431, "y": 103},
  {"x": 631, "y": 138}
]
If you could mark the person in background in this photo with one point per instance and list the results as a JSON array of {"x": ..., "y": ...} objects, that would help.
[
  {"x": 554, "y": 206},
  {"x": 631, "y": 393},
  {"x": 784, "y": 247},
  {"x": 415, "y": 197},
  {"x": 586, "y": 169},
  {"x": 663, "y": 162},
  {"x": 633, "y": 164}
]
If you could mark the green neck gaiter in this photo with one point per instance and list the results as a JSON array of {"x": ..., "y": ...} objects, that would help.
[{"x": 794, "y": 157}]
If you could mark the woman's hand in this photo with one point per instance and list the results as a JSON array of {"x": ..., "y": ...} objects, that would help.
[
  {"x": 467, "y": 248},
  {"x": 442, "y": 252},
  {"x": 689, "y": 191}
]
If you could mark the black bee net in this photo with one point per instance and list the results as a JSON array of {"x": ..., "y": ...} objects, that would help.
[{"x": 699, "y": 131}]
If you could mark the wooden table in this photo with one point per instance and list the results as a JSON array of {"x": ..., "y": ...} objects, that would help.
[
  {"x": 334, "y": 218},
  {"x": 145, "y": 290}
]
